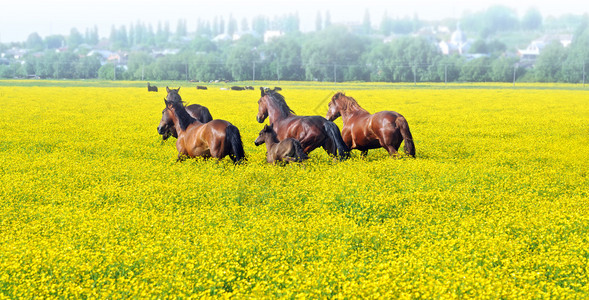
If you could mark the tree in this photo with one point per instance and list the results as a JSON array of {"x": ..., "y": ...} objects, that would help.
[
  {"x": 404, "y": 59},
  {"x": 54, "y": 41},
  {"x": 260, "y": 24},
  {"x": 476, "y": 70},
  {"x": 578, "y": 54},
  {"x": 181, "y": 28},
  {"x": 231, "y": 26},
  {"x": 74, "y": 39},
  {"x": 366, "y": 25},
  {"x": 548, "y": 66},
  {"x": 318, "y": 22},
  {"x": 502, "y": 69},
  {"x": 282, "y": 59},
  {"x": 532, "y": 20},
  {"x": 240, "y": 62},
  {"x": 34, "y": 41},
  {"x": 327, "y": 49},
  {"x": 245, "y": 25},
  {"x": 327, "y": 21},
  {"x": 87, "y": 67}
]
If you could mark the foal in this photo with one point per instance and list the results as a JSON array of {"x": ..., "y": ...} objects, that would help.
[{"x": 288, "y": 150}]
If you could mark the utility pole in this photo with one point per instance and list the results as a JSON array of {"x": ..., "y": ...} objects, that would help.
[
  {"x": 142, "y": 71},
  {"x": 115, "y": 72},
  {"x": 583, "y": 73},
  {"x": 414, "y": 75},
  {"x": 277, "y": 74},
  {"x": 334, "y": 74},
  {"x": 514, "y": 71},
  {"x": 186, "y": 71},
  {"x": 445, "y": 74},
  {"x": 254, "y": 71}
]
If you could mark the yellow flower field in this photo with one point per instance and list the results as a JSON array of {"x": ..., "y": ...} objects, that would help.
[{"x": 93, "y": 204}]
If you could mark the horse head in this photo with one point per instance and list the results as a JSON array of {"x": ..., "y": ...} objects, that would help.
[
  {"x": 263, "y": 105},
  {"x": 334, "y": 110},
  {"x": 266, "y": 133},
  {"x": 166, "y": 127},
  {"x": 173, "y": 95}
]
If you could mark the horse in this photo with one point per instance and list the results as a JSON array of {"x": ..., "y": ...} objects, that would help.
[
  {"x": 217, "y": 138},
  {"x": 287, "y": 150},
  {"x": 201, "y": 87},
  {"x": 249, "y": 87},
  {"x": 364, "y": 131},
  {"x": 151, "y": 88},
  {"x": 237, "y": 88},
  {"x": 166, "y": 127},
  {"x": 311, "y": 131}
]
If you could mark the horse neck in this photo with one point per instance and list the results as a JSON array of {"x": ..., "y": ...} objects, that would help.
[
  {"x": 270, "y": 140},
  {"x": 351, "y": 110},
  {"x": 275, "y": 113},
  {"x": 182, "y": 119}
]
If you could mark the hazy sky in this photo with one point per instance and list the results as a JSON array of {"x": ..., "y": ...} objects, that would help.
[{"x": 19, "y": 18}]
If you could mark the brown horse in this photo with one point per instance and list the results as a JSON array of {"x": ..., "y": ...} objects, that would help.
[
  {"x": 311, "y": 131},
  {"x": 166, "y": 127},
  {"x": 288, "y": 150},
  {"x": 364, "y": 131},
  {"x": 217, "y": 138}
]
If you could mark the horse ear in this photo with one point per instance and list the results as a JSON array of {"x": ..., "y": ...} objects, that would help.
[
  {"x": 167, "y": 89},
  {"x": 178, "y": 89},
  {"x": 262, "y": 90}
]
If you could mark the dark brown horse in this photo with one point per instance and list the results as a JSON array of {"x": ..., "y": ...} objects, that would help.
[
  {"x": 311, "y": 131},
  {"x": 364, "y": 131},
  {"x": 151, "y": 88},
  {"x": 217, "y": 138},
  {"x": 166, "y": 127},
  {"x": 288, "y": 150}
]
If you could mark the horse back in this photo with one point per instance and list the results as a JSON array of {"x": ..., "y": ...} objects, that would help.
[{"x": 298, "y": 127}]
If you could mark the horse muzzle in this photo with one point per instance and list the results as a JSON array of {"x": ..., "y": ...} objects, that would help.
[{"x": 260, "y": 119}]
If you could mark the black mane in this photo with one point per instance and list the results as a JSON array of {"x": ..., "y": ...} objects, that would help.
[
  {"x": 281, "y": 103},
  {"x": 184, "y": 119}
]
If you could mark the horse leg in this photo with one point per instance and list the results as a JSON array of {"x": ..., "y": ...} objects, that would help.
[{"x": 390, "y": 142}]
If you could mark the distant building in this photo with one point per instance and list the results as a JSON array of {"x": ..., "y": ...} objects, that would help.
[
  {"x": 458, "y": 43},
  {"x": 536, "y": 46},
  {"x": 270, "y": 34}
]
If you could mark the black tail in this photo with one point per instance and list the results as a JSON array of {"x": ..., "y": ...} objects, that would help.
[
  {"x": 300, "y": 152},
  {"x": 407, "y": 137},
  {"x": 233, "y": 137},
  {"x": 335, "y": 136}
]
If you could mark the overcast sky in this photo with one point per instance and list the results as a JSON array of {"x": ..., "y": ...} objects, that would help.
[{"x": 19, "y": 18}]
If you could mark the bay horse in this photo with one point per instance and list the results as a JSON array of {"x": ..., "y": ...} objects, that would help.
[
  {"x": 287, "y": 150},
  {"x": 166, "y": 127},
  {"x": 364, "y": 131},
  {"x": 311, "y": 131},
  {"x": 217, "y": 138}
]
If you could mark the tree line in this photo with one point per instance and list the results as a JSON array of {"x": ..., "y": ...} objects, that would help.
[{"x": 331, "y": 53}]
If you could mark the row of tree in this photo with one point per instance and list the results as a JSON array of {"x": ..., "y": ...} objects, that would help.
[{"x": 333, "y": 54}]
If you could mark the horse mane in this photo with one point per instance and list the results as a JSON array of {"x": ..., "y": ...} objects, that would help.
[
  {"x": 278, "y": 99},
  {"x": 184, "y": 119},
  {"x": 270, "y": 130},
  {"x": 349, "y": 104}
]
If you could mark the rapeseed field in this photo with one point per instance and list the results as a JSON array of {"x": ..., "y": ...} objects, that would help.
[{"x": 495, "y": 204}]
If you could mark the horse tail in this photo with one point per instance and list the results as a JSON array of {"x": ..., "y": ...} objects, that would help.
[
  {"x": 233, "y": 137},
  {"x": 407, "y": 137},
  {"x": 343, "y": 151},
  {"x": 299, "y": 151}
]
